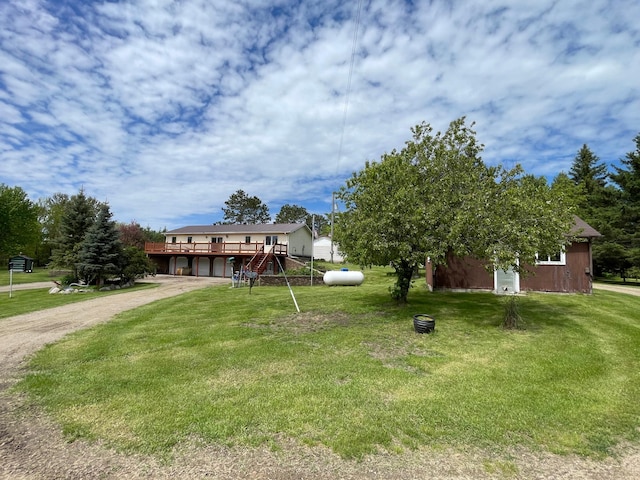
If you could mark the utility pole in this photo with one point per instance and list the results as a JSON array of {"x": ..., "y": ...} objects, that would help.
[
  {"x": 313, "y": 238},
  {"x": 333, "y": 211}
]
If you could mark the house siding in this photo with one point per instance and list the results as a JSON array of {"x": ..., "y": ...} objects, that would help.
[
  {"x": 300, "y": 243},
  {"x": 468, "y": 273},
  {"x": 322, "y": 250},
  {"x": 574, "y": 277},
  {"x": 192, "y": 252},
  {"x": 462, "y": 273}
]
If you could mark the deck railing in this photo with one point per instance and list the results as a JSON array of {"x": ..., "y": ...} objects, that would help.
[{"x": 211, "y": 248}]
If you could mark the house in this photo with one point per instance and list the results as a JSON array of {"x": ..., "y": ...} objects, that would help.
[
  {"x": 567, "y": 271},
  {"x": 322, "y": 250},
  {"x": 221, "y": 250}
]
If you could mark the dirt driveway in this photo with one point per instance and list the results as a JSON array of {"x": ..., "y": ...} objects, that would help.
[
  {"x": 32, "y": 446},
  {"x": 617, "y": 288}
]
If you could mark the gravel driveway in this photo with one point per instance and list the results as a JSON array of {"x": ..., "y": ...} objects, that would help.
[
  {"x": 32, "y": 446},
  {"x": 617, "y": 288}
]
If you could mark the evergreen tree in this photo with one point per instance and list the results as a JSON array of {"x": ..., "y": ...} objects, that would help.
[
  {"x": 586, "y": 172},
  {"x": 628, "y": 225},
  {"x": 591, "y": 178},
  {"x": 598, "y": 205},
  {"x": 79, "y": 215},
  {"x": 242, "y": 209},
  {"x": 101, "y": 250},
  {"x": 292, "y": 214}
]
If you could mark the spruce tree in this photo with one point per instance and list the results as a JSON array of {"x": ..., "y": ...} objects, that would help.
[
  {"x": 79, "y": 215},
  {"x": 101, "y": 250},
  {"x": 598, "y": 206},
  {"x": 628, "y": 224},
  {"x": 587, "y": 172}
]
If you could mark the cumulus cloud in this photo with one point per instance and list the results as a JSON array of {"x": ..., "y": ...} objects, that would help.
[{"x": 165, "y": 108}]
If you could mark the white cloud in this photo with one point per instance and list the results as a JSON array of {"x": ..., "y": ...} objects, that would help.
[{"x": 166, "y": 108}]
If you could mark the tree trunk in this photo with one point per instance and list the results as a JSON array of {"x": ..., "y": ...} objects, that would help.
[{"x": 404, "y": 273}]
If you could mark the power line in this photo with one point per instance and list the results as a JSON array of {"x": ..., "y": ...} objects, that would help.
[{"x": 348, "y": 92}]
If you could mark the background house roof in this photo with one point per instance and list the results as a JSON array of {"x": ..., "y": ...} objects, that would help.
[
  {"x": 583, "y": 229},
  {"x": 262, "y": 228}
]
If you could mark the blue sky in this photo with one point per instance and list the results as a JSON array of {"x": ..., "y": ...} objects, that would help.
[{"x": 165, "y": 108}]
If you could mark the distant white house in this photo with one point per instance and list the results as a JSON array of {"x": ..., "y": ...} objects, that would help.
[{"x": 322, "y": 250}]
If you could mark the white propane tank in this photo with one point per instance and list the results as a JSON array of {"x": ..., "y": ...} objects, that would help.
[{"x": 343, "y": 277}]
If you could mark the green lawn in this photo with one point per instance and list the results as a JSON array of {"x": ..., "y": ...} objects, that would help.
[
  {"x": 25, "y": 301},
  {"x": 348, "y": 372},
  {"x": 38, "y": 275}
]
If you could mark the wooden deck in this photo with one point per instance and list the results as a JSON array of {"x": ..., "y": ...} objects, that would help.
[{"x": 212, "y": 249}]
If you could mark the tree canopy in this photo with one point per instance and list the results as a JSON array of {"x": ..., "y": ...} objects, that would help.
[
  {"x": 588, "y": 172},
  {"x": 100, "y": 252},
  {"x": 79, "y": 215},
  {"x": 612, "y": 208},
  {"x": 241, "y": 208},
  {"x": 19, "y": 226},
  {"x": 292, "y": 214},
  {"x": 628, "y": 224},
  {"x": 436, "y": 196}
]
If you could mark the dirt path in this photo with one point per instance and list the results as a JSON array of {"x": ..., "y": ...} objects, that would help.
[
  {"x": 617, "y": 288},
  {"x": 32, "y": 446}
]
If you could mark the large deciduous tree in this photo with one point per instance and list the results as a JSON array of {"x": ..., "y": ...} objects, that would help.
[
  {"x": 134, "y": 235},
  {"x": 241, "y": 208},
  {"x": 19, "y": 225},
  {"x": 436, "y": 196}
]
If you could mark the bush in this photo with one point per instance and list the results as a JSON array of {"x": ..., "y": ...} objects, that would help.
[
  {"x": 512, "y": 319},
  {"x": 68, "y": 279}
]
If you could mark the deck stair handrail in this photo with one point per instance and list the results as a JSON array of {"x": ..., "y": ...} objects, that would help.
[
  {"x": 262, "y": 265},
  {"x": 258, "y": 254},
  {"x": 260, "y": 260}
]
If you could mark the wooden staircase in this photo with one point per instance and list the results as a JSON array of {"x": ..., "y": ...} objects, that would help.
[{"x": 259, "y": 262}]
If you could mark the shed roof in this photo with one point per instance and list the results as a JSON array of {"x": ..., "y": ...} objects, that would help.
[
  {"x": 583, "y": 230},
  {"x": 21, "y": 256},
  {"x": 266, "y": 228}
]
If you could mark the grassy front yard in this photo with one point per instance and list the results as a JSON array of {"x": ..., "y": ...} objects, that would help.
[
  {"x": 25, "y": 301},
  {"x": 38, "y": 275},
  {"x": 348, "y": 372}
]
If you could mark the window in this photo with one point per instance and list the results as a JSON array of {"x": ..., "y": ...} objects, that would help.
[
  {"x": 553, "y": 258},
  {"x": 247, "y": 239},
  {"x": 189, "y": 239},
  {"x": 216, "y": 239},
  {"x": 271, "y": 239},
  {"x": 173, "y": 239}
]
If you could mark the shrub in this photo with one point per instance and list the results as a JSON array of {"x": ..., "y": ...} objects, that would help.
[{"x": 512, "y": 318}]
